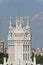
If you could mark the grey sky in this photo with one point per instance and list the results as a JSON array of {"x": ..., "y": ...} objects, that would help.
[{"x": 32, "y": 8}]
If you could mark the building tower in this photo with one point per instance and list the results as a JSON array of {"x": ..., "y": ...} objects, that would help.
[{"x": 19, "y": 42}]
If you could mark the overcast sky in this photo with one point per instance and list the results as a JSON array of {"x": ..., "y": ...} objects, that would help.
[{"x": 32, "y": 8}]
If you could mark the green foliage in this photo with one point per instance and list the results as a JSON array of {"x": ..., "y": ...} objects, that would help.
[
  {"x": 2, "y": 57},
  {"x": 6, "y": 55},
  {"x": 39, "y": 59},
  {"x": 1, "y": 60}
]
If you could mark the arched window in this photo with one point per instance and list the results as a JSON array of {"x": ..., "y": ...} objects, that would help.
[
  {"x": 28, "y": 47},
  {"x": 23, "y": 56},
  {"x": 23, "y": 47}
]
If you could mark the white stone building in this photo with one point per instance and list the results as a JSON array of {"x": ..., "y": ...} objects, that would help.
[
  {"x": 38, "y": 51},
  {"x": 19, "y": 43}
]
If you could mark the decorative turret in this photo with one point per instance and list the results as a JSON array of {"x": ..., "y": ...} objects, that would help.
[
  {"x": 17, "y": 22},
  {"x": 27, "y": 28},
  {"x": 10, "y": 29}
]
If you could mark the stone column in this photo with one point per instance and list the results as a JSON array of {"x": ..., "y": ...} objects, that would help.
[
  {"x": 34, "y": 60},
  {"x": 4, "y": 61}
]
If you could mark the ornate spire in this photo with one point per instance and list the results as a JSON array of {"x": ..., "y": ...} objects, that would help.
[
  {"x": 10, "y": 21},
  {"x": 17, "y": 22},
  {"x": 21, "y": 21},
  {"x": 10, "y": 26},
  {"x": 28, "y": 21}
]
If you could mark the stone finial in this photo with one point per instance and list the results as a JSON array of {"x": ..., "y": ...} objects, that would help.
[{"x": 10, "y": 26}]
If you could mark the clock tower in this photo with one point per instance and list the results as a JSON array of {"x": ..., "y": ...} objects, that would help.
[{"x": 19, "y": 42}]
